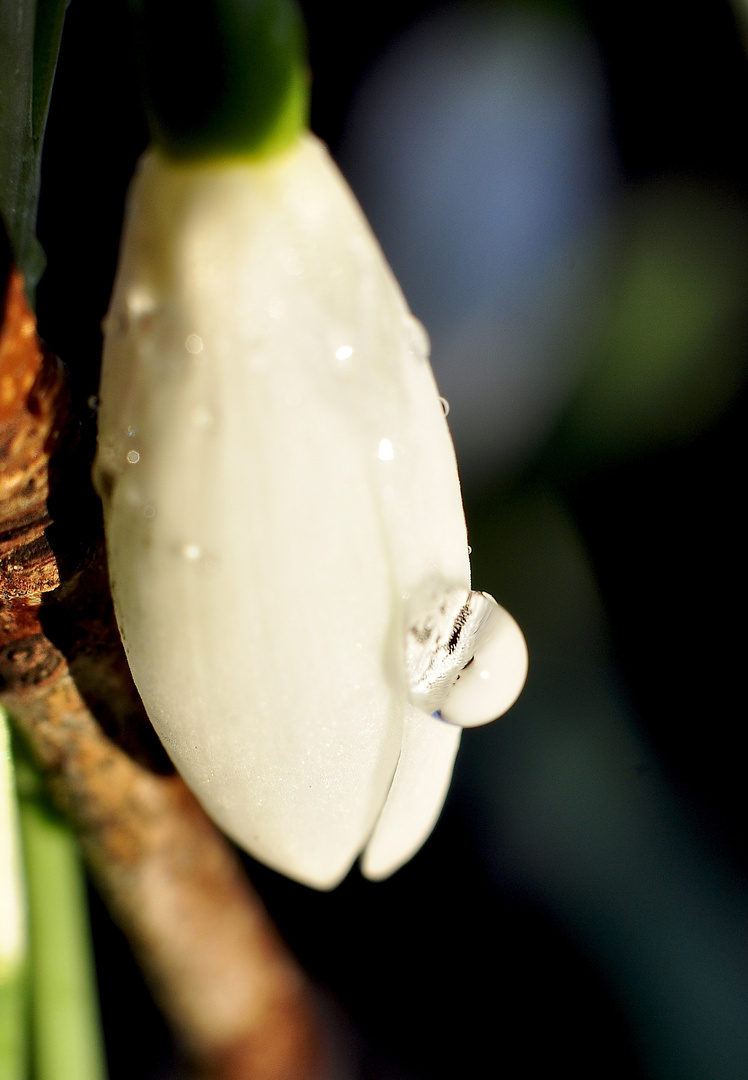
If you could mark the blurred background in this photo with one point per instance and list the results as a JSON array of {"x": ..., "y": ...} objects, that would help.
[{"x": 562, "y": 191}]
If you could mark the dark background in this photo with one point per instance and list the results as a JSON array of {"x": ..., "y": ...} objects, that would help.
[{"x": 508, "y": 948}]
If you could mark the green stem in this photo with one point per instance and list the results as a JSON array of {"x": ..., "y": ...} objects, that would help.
[
  {"x": 12, "y": 924},
  {"x": 230, "y": 81},
  {"x": 67, "y": 1039}
]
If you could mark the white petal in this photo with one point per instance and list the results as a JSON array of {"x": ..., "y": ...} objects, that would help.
[
  {"x": 419, "y": 787},
  {"x": 277, "y": 475}
]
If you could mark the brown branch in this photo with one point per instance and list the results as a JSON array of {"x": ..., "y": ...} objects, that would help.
[{"x": 237, "y": 1001}]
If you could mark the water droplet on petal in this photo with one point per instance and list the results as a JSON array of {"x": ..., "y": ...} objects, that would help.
[
  {"x": 441, "y": 627},
  {"x": 140, "y": 302},
  {"x": 493, "y": 681},
  {"x": 133, "y": 457},
  {"x": 386, "y": 450},
  {"x": 417, "y": 338}
]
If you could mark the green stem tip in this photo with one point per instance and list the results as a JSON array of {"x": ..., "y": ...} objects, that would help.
[{"x": 222, "y": 78}]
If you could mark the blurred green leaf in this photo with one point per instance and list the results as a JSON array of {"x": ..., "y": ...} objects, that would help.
[
  {"x": 670, "y": 353},
  {"x": 50, "y": 15},
  {"x": 30, "y": 34}
]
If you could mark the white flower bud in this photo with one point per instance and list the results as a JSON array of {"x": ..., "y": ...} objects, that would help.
[{"x": 280, "y": 490}]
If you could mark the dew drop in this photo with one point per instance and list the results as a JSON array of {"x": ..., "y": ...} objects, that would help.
[
  {"x": 140, "y": 302},
  {"x": 133, "y": 457},
  {"x": 495, "y": 679},
  {"x": 416, "y": 337},
  {"x": 445, "y": 405},
  {"x": 93, "y": 402}
]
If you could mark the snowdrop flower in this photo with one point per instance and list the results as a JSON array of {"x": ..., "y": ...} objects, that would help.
[
  {"x": 285, "y": 533},
  {"x": 286, "y": 538}
]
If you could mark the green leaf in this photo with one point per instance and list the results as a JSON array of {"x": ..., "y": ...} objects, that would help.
[
  {"x": 29, "y": 43},
  {"x": 50, "y": 15}
]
